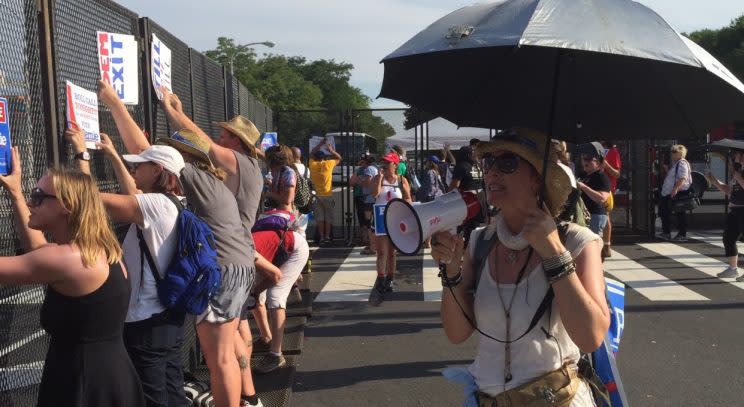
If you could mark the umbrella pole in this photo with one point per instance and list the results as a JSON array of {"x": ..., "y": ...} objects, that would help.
[{"x": 551, "y": 121}]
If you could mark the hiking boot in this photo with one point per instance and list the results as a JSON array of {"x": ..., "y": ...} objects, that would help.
[
  {"x": 246, "y": 403},
  {"x": 379, "y": 284},
  {"x": 665, "y": 236},
  {"x": 260, "y": 345},
  {"x": 387, "y": 285},
  {"x": 269, "y": 363},
  {"x": 680, "y": 238},
  {"x": 730, "y": 272}
]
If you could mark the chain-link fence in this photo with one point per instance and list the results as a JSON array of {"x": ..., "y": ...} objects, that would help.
[{"x": 44, "y": 44}]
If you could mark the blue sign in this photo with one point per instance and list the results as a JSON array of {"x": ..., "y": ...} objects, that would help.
[
  {"x": 5, "y": 145},
  {"x": 379, "y": 217},
  {"x": 268, "y": 140},
  {"x": 616, "y": 295}
]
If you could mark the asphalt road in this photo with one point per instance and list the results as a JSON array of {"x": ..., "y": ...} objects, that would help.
[{"x": 681, "y": 345}]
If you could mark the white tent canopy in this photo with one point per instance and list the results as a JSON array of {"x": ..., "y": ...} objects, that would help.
[{"x": 441, "y": 131}]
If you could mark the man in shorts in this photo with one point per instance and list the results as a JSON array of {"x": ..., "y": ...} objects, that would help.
[{"x": 324, "y": 159}]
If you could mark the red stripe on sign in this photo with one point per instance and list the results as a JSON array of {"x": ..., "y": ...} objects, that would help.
[
  {"x": 70, "y": 109},
  {"x": 611, "y": 387},
  {"x": 3, "y": 116}
]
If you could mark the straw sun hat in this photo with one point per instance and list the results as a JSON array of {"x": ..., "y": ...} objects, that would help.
[
  {"x": 530, "y": 145},
  {"x": 242, "y": 128},
  {"x": 187, "y": 141}
]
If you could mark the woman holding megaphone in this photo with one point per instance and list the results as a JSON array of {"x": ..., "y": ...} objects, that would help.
[
  {"x": 386, "y": 186},
  {"x": 540, "y": 297}
]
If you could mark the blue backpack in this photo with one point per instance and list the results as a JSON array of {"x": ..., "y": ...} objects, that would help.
[{"x": 193, "y": 274}]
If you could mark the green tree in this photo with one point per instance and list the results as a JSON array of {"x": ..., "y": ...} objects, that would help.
[
  {"x": 291, "y": 84},
  {"x": 726, "y": 44}
]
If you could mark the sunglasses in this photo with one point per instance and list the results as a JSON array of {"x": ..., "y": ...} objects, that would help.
[
  {"x": 505, "y": 163},
  {"x": 37, "y": 196}
]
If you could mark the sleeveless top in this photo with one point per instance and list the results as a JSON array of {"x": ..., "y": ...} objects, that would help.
[
  {"x": 534, "y": 354},
  {"x": 736, "y": 199},
  {"x": 212, "y": 201},
  {"x": 87, "y": 363},
  {"x": 388, "y": 192},
  {"x": 248, "y": 197}
]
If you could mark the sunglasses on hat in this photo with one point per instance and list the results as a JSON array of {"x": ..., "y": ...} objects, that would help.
[
  {"x": 505, "y": 163},
  {"x": 37, "y": 197}
]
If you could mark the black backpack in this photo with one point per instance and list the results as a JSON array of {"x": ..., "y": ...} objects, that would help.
[{"x": 304, "y": 193}]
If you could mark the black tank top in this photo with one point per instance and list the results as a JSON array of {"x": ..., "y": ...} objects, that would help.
[{"x": 737, "y": 193}]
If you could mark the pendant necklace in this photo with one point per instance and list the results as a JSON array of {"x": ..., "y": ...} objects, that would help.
[
  {"x": 507, "y": 314},
  {"x": 515, "y": 243}
]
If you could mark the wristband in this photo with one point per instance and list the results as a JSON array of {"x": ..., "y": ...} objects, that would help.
[
  {"x": 557, "y": 261},
  {"x": 450, "y": 282},
  {"x": 559, "y": 273}
]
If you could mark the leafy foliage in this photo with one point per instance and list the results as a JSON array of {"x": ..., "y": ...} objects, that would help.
[{"x": 308, "y": 98}]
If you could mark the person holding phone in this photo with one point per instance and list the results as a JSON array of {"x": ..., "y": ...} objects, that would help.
[{"x": 734, "y": 225}]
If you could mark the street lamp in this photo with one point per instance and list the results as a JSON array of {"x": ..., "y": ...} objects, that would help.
[{"x": 246, "y": 47}]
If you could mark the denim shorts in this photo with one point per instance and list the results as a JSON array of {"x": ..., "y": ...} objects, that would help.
[{"x": 226, "y": 304}]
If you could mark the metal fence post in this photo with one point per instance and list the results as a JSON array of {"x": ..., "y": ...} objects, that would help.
[{"x": 48, "y": 80}]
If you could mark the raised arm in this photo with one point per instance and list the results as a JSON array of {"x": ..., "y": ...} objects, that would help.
[
  {"x": 76, "y": 137},
  {"x": 134, "y": 139},
  {"x": 221, "y": 156},
  {"x": 127, "y": 186},
  {"x": 334, "y": 153},
  {"x": 30, "y": 239}
]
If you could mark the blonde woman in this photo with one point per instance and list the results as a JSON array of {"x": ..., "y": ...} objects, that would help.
[
  {"x": 88, "y": 292},
  {"x": 678, "y": 178}
]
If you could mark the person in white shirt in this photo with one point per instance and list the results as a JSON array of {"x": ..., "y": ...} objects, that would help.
[
  {"x": 152, "y": 334},
  {"x": 678, "y": 178},
  {"x": 303, "y": 171}
]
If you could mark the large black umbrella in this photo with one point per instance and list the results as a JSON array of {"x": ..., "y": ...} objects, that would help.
[{"x": 579, "y": 70}]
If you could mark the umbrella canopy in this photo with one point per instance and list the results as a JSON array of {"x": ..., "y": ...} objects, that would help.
[
  {"x": 726, "y": 144},
  {"x": 579, "y": 70}
]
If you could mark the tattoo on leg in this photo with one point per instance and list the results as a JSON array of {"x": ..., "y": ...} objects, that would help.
[{"x": 243, "y": 362}]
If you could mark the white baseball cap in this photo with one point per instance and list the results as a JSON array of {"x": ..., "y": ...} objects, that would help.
[{"x": 167, "y": 156}]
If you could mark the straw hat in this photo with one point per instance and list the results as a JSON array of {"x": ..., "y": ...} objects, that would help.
[
  {"x": 530, "y": 145},
  {"x": 242, "y": 128},
  {"x": 187, "y": 141}
]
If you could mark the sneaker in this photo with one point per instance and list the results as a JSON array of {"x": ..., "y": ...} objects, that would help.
[
  {"x": 740, "y": 279},
  {"x": 665, "y": 236},
  {"x": 387, "y": 285},
  {"x": 680, "y": 238},
  {"x": 730, "y": 272},
  {"x": 269, "y": 363},
  {"x": 246, "y": 403},
  {"x": 367, "y": 252}
]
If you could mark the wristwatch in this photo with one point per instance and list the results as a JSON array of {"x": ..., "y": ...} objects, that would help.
[{"x": 83, "y": 155}]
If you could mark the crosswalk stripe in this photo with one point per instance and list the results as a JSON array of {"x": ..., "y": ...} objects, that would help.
[
  {"x": 432, "y": 283},
  {"x": 691, "y": 258},
  {"x": 713, "y": 238},
  {"x": 352, "y": 281},
  {"x": 647, "y": 282}
]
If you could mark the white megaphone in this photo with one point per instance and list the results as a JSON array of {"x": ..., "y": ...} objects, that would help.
[{"x": 409, "y": 225}]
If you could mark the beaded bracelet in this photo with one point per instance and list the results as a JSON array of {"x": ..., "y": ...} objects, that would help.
[
  {"x": 557, "y": 261},
  {"x": 560, "y": 272},
  {"x": 450, "y": 282}
]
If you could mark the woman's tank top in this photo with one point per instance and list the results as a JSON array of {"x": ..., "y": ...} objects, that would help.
[{"x": 388, "y": 192}]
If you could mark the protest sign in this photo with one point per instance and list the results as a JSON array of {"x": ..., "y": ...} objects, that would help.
[
  {"x": 82, "y": 109},
  {"x": 117, "y": 61},
  {"x": 268, "y": 140},
  {"x": 379, "y": 217},
  {"x": 5, "y": 145},
  {"x": 315, "y": 140},
  {"x": 160, "y": 62}
]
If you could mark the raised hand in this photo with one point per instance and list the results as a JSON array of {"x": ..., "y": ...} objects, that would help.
[
  {"x": 76, "y": 137},
  {"x": 107, "y": 94},
  {"x": 541, "y": 232},
  {"x": 12, "y": 181},
  {"x": 106, "y": 145}
]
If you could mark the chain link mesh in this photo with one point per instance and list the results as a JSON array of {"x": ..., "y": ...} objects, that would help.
[
  {"x": 21, "y": 338},
  {"x": 198, "y": 82},
  {"x": 209, "y": 99}
]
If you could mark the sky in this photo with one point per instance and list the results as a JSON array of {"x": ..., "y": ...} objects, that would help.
[{"x": 360, "y": 32}]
